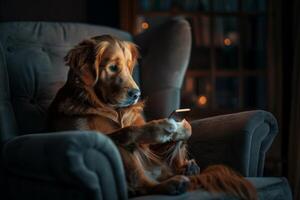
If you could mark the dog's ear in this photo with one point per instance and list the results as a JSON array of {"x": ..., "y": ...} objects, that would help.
[
  {"x": 81, "y": 59},
  {"x": 81, "y": 54},
  {"x": 134, "y": 54}
]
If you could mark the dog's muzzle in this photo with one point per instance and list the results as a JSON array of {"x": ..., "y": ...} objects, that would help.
[{"x": 134, "y": 94}]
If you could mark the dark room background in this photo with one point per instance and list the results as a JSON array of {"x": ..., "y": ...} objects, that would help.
[
  {"x": 271, "y": 22},
  {"x": 88, "y": 11}
]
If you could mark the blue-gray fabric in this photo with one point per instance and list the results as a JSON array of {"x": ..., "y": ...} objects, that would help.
[
  {"x": 240, "y": 140},
  {"x": 268, "y": 189},
  {"x": 86, "y": 160},
  {"x": 8, "y": 125},
  {"x": 87, "y": 165},
  {"x": 162, "y": 72}
]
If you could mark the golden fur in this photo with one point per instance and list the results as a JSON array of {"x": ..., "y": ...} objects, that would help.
[{"x": 96, "y": 97}]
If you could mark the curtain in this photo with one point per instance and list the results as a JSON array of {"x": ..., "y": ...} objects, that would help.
[{"x": 294, "y": 133}]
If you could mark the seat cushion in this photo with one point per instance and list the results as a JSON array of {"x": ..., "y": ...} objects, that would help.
[{"x": 268, "y": 188}]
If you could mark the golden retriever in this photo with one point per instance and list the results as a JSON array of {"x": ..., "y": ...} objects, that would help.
[{"x": 100, "y": 94}]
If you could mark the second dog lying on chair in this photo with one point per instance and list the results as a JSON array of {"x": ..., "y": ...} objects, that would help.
[{"x": 100, "y": 94}]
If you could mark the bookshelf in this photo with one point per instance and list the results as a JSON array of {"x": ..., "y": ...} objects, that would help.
[{"x": 228, "y": 69}]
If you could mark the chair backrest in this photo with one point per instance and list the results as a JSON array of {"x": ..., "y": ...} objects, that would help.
[{"x": 32, "y": 69}]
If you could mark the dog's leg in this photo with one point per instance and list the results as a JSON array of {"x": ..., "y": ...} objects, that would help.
[
  {"x": 179, "y": 160},
  {"x": 141, "y": 183},
  {"x": 175, "y": 156},
  {"x": 154, "y": 132},
  {"x": 129, "y": 139},
  {"x": 190, "y": 168},
  {"x": 174, "y": 153},
  {"x": 160, "y": 133}
]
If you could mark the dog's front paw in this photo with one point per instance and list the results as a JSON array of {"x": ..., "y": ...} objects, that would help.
[
  {"x": 179, "y": 130},
  {"x": 183, "y": 131},
  {"x": 158, "y": 131},
  {"x": 175, "y": 185},
  {"x": 164, "y": 130},
  {"x": 169, "y": 125},
  {"x": 191, "y": 168}
]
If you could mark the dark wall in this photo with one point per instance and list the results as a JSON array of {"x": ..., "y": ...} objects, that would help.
[
  {"x": 89, "y": 11},
  {"x": 288, "y": 46},
  {"x": 103, "y": 12}
]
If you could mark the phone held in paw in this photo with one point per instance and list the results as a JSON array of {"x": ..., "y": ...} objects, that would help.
[{"x": 179, "y": 114}]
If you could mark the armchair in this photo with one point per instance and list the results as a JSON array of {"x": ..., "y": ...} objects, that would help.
[{"x": 85, "y": 164}]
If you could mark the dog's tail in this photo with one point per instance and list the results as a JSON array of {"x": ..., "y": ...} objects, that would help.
[{"x": 219, "y": 178}]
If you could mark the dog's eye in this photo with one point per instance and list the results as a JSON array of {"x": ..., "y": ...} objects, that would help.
[{"x": 113, "y": 68}]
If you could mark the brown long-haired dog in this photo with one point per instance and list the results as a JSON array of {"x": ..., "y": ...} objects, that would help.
[{"x": 100, "y": 94}]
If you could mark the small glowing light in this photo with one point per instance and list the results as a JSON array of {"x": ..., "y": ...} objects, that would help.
[
  {"x": 227, "y": 42},
  {"x": 145, "y": 25},
  {"x": 202, "y": 100}
]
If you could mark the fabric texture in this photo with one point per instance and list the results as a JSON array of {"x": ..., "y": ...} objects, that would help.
[
  {"x": 240, "y": 140},
  {"x": 165, "y": 53},
  {"x": 86, "y": 160},
  {"x": 8, "y": 125}
]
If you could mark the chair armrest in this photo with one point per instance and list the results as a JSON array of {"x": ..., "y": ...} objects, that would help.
[
  {"x": 165, "y": 54},
  {"x": 239, "y": 140},
  {"x": 87, "y": 159}
]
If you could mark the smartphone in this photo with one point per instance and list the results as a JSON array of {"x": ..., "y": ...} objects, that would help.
[{"x": 179, "y": 114}]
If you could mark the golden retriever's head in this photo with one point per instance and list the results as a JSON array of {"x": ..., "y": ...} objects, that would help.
[{"x": 105, "y": 64}]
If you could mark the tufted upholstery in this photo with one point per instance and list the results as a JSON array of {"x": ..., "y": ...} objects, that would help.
[
  {"x": 87, "y": 165},
  {"x": 75, "y": 158}
]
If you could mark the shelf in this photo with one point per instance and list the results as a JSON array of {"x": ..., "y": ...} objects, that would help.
[
  {"x": 197, "y": 13},
  {"x": 246, "y": 74},
  {"x": 226, "y": 73}
]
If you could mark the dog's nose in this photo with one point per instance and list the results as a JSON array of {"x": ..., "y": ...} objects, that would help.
[{"x": 134, "y": 93}]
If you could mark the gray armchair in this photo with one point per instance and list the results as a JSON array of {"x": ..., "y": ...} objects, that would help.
[{"x": 86, "y": 165}]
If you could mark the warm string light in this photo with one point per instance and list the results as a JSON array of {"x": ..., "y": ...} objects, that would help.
[
  {"x": 227, "y": 42},
  {"x": 145, "y": 25},
  {"x": 202, "y": 100}
]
